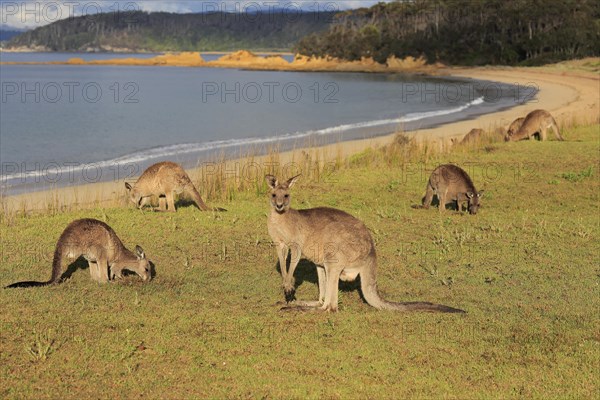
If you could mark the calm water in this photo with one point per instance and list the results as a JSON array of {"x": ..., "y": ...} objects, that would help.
[{"x": 94, "y": 123}]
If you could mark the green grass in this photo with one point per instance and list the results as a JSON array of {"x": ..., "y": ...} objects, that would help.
[{"x": 525, "y": 268}]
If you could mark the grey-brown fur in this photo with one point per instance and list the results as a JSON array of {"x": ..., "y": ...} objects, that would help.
[
  {"x": 474, "y": 136},
  {"x": 515, "y": 126},
  {"x": 536, "y": 122},
  {"x": 100, "y": 246},
  {"x": 165, "y": 179},
  {"x": 452, "y": 183},
  {"x": 339, "y": 244}
]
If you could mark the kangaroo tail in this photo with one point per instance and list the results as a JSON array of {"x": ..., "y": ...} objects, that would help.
[
  {"x": 56, "y": 272},
  {"x": 199, "y": 202},
  {"x": 556, "y": 130},
  {"x": 197, "y": 198},
  {"x": 27, "y": 284},
  {"x": 427, "y": 199},
  {"x": 371, "y": 295}
]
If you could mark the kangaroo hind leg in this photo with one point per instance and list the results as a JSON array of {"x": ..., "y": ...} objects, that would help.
[
  {"x": 322, "y": 276},
  {"x": 103, "y": 269},
  {"x": 442, "y": 199},
  {"x": 428, "y": 196},
  {"x": 556, "y": 131},
  {"x": 171, "y": 201},
  {"x": 162, "y": 203},
  {"x": 299, "y": 305},
  {"x": 94, "y": 270},
  {"x": 99, "y": 267},
  {"x": 331, "y": 291}
]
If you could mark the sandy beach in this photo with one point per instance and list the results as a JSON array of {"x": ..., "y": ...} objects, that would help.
[{"x": 570, "y": 93}]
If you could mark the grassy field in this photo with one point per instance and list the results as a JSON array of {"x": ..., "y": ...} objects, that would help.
[{"x": 525, "y": 268}]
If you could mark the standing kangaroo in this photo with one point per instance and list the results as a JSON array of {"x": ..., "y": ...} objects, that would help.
[
  {"x": 537, "y": 121},
  {"x": 452, "y": 183},
  {"x": 100, "y": 246},
  {"x": 165, "y": 179},
  {"x": 339, "y": 244}
]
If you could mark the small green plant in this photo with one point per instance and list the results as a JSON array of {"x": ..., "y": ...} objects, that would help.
[
  {"x": 462, "y": 237},
  {"x": 578, "y": 176},
  {"x": 41, "y": 347},
  {"x": 441, "y": 244}
]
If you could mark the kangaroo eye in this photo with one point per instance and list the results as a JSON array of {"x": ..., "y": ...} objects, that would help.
[
  {"x": 287, "y": 196},
  {"x": 273, "y": 195}
]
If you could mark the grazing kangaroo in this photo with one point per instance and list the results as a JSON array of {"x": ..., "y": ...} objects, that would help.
[
  {"x": 100, "y": 246},
  {"x": 165, "y": 179},
  {"x": 339, "y": 244},
  {"x": 452, "y": 183},
  {"x": 473, "y": 136},
  {"x": 514, "y": 127},
  {"x": 537, "y": 121}
]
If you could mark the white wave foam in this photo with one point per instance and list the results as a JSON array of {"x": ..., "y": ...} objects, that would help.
[{"x": 187, "y": 148}]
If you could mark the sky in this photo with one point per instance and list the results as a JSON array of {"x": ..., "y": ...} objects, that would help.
[{"x": 27, "y": 14}]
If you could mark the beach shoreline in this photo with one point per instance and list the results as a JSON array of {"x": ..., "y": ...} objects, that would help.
[{"x": 569, "y": 94}]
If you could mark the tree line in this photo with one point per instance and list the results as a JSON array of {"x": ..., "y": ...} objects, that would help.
[
  {"x": 161, "y": 31},
  {"x": 463, "y": 32}
]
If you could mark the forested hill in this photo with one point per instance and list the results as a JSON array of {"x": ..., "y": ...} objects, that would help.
[
  {"x": 455, "y": 32},
  {"x": 8, "y": 34},
  {"x": 464, "y": 32},
  {"x": 159, "y": 31}
]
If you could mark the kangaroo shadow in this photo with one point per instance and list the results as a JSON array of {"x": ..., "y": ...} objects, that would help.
[
  {"x": 127, "y": 272},
  {"x": 306, "y": 271},
  {"x": 435, "y": 202},
  {"x": 152, "y": 270},
  {"x": 183, "y": 202},
  {"x": 81, "y": 263},
  {"x": 155, "y": 202},
  {"x": 186, "y": 202}
]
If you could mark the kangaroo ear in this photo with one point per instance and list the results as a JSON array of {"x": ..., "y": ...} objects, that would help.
[
  {"x": 139, "y": 252},
  {"x": 293, "y": 180},
  {"x": 470, "y": 195},
  {"x": 128, "y": 186},
  {"x": 271, "y": 181}
]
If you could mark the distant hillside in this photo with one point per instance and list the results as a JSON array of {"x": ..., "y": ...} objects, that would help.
[
  {"x": 141, "y": 31},
  {"x": 463, "y": 32},
  {"x": 8, "y": 34}
]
